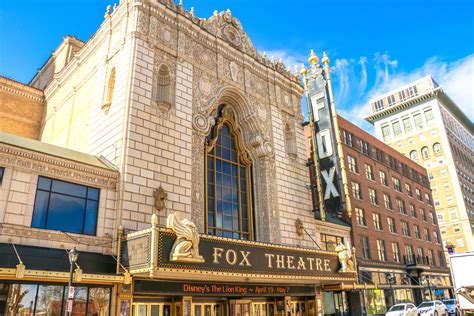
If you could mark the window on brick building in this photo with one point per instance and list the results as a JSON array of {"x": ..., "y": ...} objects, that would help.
[
  {"x": 436, "y": 237},
  {"x": 356, "y": 191},
  {"x": 421, "y": 253},
  {"x": 428, "y": 199},
  {"x": 396, "y": 252},
  {"x": 387, "y": 201},
  {"x": 401, "y": 207},
  {"x": 419, "y": 195},
  {"x": 364, "y": 243},
  {"x": 360, "y": 216},
  {"x": 397, "y": 184},
  {"x": 432, "y": 218},
  {"x": 383, "y": 178},
  {"x": 369, "y": 172},
  {"x": 65, "y": 206},
  {"x": 377, "y": 221},
  {"x": 163, "y": 87},
  {"x": 416, "y": 231},
  {"x": 391, "y": 225},
  {"x": 427, "y": 234},
  {"x": 413, "y": 211},
  {"x": 381, "y": 250},
  {"x": 409, "y": 253},
  {"x": 408, "y": 189},
  {"x": 405, "y": 229},
  {"x": 229, "y": 194},
  {"x": 441, "y": 258},
  {"x": 110, "y": 87},
  {"x": 373, "y": 197},
  {"x": 352, "y": 163},
  {"x": 423, "y": 214},
  {"x": 2, "y": 172},
  {"x": 431, "y": 259}
]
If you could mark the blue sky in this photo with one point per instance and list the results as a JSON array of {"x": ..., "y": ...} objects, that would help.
[{"x": 374, "y": 45}]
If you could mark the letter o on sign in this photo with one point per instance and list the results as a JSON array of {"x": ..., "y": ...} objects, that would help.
[{"x": 231, "y": 257}]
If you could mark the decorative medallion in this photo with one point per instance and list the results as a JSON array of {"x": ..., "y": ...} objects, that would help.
[
  {"x": 186, "y": 245},
  {"x": 160, "y": 197},
  {"x": 167, "y": 35},
  {"x": 202, "y": 124},
  {"x": 232, "y": 35},
  {"x": 205, "y": 85}
]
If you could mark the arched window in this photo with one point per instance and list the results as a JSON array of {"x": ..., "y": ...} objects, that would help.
[
  {"x": 109, "y": 92},
  {"x": 437, "y": 148},
  {"x": 228, "y": 183},
  {"x": 425, "y": 153},
  {"x": 163, "y": 82},
  {"x": 414, "y": 155}
]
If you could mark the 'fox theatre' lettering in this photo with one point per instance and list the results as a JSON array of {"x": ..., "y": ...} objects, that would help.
[{"x": 273, "y": 261}]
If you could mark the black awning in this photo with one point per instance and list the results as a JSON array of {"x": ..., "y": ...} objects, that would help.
[{"x": 52, "y": 259}]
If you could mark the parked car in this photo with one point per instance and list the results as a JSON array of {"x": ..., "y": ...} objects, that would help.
[
  {"x": 433, "y": 308},
  {"x": 453, "y": 306},
  {"x": 404, "y": 309}
]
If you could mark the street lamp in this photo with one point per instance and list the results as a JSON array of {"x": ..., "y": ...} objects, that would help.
[
  {"x": 73, "y": 255},
  {"x": 391, "y": 277}
]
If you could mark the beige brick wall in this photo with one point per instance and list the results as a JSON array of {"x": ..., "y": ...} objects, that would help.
[{"x": 17, "y": 198}]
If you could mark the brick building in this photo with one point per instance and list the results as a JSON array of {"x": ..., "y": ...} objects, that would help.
[{"x": 393, "y": 221}]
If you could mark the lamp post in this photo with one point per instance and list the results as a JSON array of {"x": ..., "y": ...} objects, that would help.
[
  {"x": 391, "y": 277},
  {"x": 73, "y": 255}
]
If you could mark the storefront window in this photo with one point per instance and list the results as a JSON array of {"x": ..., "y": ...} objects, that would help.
[
  {"x": 51, "y": 300},
  {"x": 98, "y": 303},
  {"x": 375, "y": 302},
  {"x": 21, "y": 299}
]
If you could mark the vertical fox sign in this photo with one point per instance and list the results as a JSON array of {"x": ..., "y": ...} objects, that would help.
[{"x": 323, "y": 132}]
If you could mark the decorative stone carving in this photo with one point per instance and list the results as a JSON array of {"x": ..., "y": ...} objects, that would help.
[
  {"x": 186, "y": 245},
  {"x": 160, "y": 197},
  {"x": 299, "y": 227},
  {"x": 203, "y": 124},
  {"x": 234, "y": 71},
  {"x": 346, "y": 260}
]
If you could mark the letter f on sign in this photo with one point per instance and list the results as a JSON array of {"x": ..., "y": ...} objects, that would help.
[{"x": 329, "y": 179}]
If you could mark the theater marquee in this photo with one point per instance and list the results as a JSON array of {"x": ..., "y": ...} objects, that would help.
[{"x": 153, "y": 252}]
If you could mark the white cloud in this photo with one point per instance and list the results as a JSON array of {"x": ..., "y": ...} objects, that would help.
[{"x": 456, "y": 78}]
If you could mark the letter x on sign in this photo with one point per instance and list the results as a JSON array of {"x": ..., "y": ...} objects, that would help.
[{"x": 329, "y": 179}]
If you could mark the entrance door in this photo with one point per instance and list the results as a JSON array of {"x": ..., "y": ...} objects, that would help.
[
  {"x": 209, "y": 309},
  {"x": 298, "y": 308},
  {"x": 152, "y": 309},
  {"x": 262, "y": 309},
  {"x": 240, "y": 308}
]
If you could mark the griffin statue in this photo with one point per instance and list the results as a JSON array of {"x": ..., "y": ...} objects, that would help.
[{"x": 186, "y": 245}]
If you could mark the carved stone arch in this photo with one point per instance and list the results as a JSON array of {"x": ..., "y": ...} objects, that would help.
[
  {"x": 260, "y": 150},
  {"x": 246, "y": 116}
]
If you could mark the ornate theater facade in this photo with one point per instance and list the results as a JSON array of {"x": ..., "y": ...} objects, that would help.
[{"x": 186, "y": 149}]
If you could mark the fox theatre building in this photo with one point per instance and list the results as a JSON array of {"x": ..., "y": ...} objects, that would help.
[{"x": 177, "y": 271}]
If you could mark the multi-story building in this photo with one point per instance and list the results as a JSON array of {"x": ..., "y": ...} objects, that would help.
[
  {"x": 423, "y": 123},
  {"x": 168, "y": 143},
  {"x": 393, "y": 222}
]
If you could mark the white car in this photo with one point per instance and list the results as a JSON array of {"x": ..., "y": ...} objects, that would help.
[
  {"x": 405, "y": 309},
  {"x": 433, "y": 308}
]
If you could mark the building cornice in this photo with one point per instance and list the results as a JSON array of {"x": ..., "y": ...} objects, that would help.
[{"x": 39, "y": 163}]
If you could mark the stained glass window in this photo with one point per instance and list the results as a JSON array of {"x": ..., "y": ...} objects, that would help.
[{"x": 228, "y": 185}]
